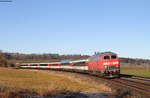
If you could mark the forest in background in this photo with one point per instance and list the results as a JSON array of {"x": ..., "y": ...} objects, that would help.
[{"x": 10, "y": 59}]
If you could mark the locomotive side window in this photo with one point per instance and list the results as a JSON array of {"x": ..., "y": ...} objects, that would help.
[
  {"x": 95, "y": 58},
  {"x": 106, "y": 57},
  {"x": 113, "y": 57}
]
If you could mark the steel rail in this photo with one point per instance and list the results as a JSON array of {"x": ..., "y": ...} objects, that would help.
[
  {"x": 140, "y": 87},
  {"x": 135, "y": 81},
  {"x": 142, "y": 79},
  {"x": 127, "y": 75}
]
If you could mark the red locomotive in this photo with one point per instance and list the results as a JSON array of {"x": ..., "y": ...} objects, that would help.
[
  {"x": 106, "y": 64},
  {"x": 103, "y": 64}
]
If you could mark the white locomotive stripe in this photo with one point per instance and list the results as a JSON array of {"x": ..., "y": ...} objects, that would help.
[
  {"x": 107, "y": 63},
  {"x": 115, "y": 62}
]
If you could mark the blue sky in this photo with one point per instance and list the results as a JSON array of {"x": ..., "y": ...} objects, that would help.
[{"x": 76, "y": 27}]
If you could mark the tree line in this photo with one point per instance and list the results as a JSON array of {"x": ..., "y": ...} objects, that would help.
[
  {"x": 135, "y": 61},
  {"x": 18, "y": 56},
  {"x": 10, "y": 59}
]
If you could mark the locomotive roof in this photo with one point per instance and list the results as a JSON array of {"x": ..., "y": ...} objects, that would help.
[{"x": 104, "y": 53}]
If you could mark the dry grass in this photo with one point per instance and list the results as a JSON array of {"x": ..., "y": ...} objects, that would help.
[{"x": 43, "y": 82}]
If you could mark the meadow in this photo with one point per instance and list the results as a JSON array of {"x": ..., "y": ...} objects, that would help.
[
  {"x": 42, "y": 82},
  {"x": 135, "y": 70}
]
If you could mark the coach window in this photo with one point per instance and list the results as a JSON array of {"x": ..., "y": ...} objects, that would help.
[
  {"x": 113, "y": 57},
  {"x": 106, "y": 57},
  {"x": 43, "y": 65}
]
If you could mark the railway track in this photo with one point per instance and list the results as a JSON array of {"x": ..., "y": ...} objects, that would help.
[
  {"x": 133, "y": 76},
  {"x": 131, "y": 83},
  {"x": 137, "y": 84},
  {"x": 141, "y": 79}
]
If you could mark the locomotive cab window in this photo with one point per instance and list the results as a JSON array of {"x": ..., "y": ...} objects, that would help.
[
  {"x": 113, "y": 57},
  {"x": 106, "y": 57}
]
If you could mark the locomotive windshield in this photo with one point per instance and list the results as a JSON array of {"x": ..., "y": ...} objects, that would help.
[
  {"x": 113, "y": 57},
  {"x": 110, "y": 57},
  {"x": 106, "y": 57}
]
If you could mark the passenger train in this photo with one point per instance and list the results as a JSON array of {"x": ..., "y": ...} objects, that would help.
[{"x": 104, "y": 64}]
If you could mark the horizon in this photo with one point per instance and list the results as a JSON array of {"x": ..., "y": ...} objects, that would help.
[
  {"x": 75, "y": 54},
  {"x": 76, "y": 27}
]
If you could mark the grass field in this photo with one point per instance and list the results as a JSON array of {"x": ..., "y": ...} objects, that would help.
[
  {"x": 136, "y": 71},
  {"x": 42, "y": 81}
]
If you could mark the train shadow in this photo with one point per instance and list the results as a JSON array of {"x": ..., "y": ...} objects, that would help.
[{"x": 126, "y": 76}]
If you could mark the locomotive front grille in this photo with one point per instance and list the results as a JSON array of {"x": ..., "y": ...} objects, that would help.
[
  {"x": 111, "y": 70},
  {"x": 111, "y": 67}
]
